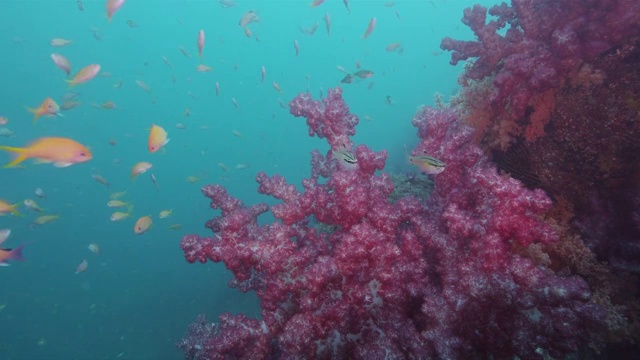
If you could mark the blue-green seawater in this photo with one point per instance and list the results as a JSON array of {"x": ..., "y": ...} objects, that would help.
[{"x": 138, "y": 296}]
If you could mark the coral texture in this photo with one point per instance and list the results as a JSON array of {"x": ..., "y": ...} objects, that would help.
[
  {"x": 544, "y": 42},
  {"x": 344, "y": 272}
]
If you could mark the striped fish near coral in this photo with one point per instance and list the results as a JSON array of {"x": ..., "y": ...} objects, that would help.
[
  {"x": 427, "y": 164},
  {"x": 345, "y": 157}
]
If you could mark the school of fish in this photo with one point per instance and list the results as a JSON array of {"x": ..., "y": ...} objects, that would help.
[{"x": 63, "y": 152}]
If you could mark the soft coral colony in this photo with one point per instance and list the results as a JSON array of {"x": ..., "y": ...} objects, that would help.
[{"x": 487, "y": 266}]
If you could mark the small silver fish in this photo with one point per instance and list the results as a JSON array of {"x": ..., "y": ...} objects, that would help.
[
  {"x": 82, "y": 267},
  {"x": 154, "y": 181},
  {"x": 6, "y": 132},
  {"x": 348, "y": 79},
  {"x": 94, "y": 248},
  {"x": 40, "y": 193},
  {"x": 363, "y": 74}
]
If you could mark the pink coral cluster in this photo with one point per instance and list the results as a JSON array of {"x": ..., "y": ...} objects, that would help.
[
  {"x": 545, "y": 41},
  {"x": 328, "y": 119},
  {"x": 557, "y": 108},
  {"x": 345, "y": 273}
]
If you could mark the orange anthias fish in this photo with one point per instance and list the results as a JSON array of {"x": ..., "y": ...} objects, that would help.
[
  {"x": 142, "y": 225},
  {"x": 5, "y": 208},
  {"x": 62, "y": 152},
  {"x": 11, "y": 254},
  {"x": 113, "y": 6},
  {"x": 87, "y": 73},
  {"x": 157, "y": 138},
  {"x": 47, "y": 108}
]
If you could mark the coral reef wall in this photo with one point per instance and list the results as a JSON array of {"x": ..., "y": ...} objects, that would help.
[{"x": 528, "y": 246}]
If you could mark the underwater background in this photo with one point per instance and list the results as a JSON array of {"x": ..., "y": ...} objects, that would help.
[{"x": 138, "y": 295}]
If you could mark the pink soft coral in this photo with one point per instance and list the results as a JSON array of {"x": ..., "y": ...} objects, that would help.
[{"x": 398, "y": 280}]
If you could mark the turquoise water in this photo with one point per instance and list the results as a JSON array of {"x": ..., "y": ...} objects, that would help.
[{"x": 137, "y": 297}]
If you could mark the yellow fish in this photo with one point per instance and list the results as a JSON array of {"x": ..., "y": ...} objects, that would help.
[
  {"x": 117, "y": 195},
  {"x": 192, "y": 179},
  {"x": 117, "y": 203},
  {"x": 31, "y": 204},
  {"x": 45, "y": 219},
  {"x": 427, "y": 164},
  {"x": 119, "y": 215}
]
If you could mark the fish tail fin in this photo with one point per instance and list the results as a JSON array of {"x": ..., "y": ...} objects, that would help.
[
  {"x": 16, "y": 254},
  {"x": 20, "y": 158},
  {"x": 36, "y": 113},
  {"x": 14, "y": 210},
  {"x": 70, "y": 82}
]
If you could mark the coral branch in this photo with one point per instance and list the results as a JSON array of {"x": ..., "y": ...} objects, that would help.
[{"x": 345, "y": 273}]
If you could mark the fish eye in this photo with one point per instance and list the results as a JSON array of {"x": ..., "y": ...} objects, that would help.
[{"x": 83, "y": 154}]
